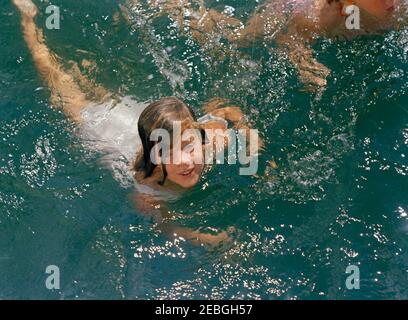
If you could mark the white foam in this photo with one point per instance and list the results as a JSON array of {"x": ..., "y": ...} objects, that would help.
[{"x": 112, "y": 128}]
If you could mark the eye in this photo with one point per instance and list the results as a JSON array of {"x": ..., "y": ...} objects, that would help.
[{"x": 189, "y": 148}]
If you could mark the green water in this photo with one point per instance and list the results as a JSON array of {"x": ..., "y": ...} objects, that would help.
[{"x": 338, "y": 197}]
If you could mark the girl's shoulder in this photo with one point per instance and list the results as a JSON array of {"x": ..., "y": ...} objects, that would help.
[
  {"x": 155, "y": 191},
  {"x": 150, "y": 186}
]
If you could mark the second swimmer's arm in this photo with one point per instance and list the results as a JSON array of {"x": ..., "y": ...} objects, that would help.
[{"x": 298, "y": 42}]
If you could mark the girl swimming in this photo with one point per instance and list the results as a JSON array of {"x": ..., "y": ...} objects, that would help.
[{"x": 157, "y": 182}]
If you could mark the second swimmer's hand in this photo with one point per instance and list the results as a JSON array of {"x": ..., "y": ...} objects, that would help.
[{"x": 313, "y": 75}]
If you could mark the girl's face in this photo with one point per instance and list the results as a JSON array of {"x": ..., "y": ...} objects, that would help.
[
  {"x": 186, "y": 165},
  {"x": 381, "y": 9}
]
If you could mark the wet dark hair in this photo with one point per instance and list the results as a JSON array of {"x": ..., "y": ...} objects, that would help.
[{"x": 158, "y": 115}]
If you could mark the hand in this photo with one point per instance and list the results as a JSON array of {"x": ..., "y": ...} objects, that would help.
[
  {"x": 270, "y": 171},
  {"x": 26, "y": 7},
  {"x": 214, "y": 104},
  {"x": 214, "y": 240},
  {"x": 313, "y": 74}
]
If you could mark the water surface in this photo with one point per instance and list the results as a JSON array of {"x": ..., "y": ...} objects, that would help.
[{"x": 338, "y": 197}]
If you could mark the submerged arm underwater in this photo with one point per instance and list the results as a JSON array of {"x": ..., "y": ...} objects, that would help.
[{"x": 156, "y": 209}]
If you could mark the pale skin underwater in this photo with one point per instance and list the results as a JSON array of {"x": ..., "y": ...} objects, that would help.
[{"x": 294, "y": 30}]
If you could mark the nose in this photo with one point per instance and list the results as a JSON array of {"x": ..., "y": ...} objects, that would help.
[{"x": 187, "y": 159}]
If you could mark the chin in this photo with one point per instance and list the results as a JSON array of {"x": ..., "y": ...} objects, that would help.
[{"x": 188, "y": 184}]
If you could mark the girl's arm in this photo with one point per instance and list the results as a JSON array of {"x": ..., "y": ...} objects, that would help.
[
  {"x": 65, "y": 92},
  {"x": 149, "y": 206},
  {"x": 222, "y": 108}
]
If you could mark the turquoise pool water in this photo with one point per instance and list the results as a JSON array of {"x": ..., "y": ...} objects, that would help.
[{"x": 338, "y": 197}]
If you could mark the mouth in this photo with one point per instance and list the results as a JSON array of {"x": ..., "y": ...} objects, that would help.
[
  {"x": 186, "y": 173},
  {"x": 391, "y": 9}
]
